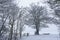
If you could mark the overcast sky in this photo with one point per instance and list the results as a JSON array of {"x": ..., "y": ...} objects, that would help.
[{"x": 52, "y": 28}]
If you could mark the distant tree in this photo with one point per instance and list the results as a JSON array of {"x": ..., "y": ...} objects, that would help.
[
  {"x": 21, "y": 21},
  {"x": 57, "y": 13},
  {"x": 12, "y": 18},
  {"x": 55, "y": 5},
  {"x": 37, "y": 17}
]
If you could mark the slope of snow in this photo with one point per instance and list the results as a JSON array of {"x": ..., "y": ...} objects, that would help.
[{"x": 41, "y": 37}]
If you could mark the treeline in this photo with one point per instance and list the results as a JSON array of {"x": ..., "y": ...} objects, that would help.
[{"x": 13, "y": 18}]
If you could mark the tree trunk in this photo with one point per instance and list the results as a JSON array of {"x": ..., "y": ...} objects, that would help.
[
  {"x": 37, "y": 32},
  {"x": 20, "y": 35},
  {"x": 37, "y": 24},
  {"x": 11, "y": 33},
  {"x": 20, "y": 32}
]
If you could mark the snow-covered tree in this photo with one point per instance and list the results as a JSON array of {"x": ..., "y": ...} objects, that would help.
[
  {"x": 37, "y": 17},
  {"x": 4, "y": 6},
  {"x": 21, "y": 19},
  {"x": 8, "y": 15},
  {"x": 12, "y": 18},
  {"x": 55, "y": 6}
]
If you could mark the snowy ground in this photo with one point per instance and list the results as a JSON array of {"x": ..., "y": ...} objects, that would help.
[{"x": 41, "y": 37}]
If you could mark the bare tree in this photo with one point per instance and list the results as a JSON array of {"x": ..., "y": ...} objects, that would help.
[
  {"x": 13, "y": 18},
  {"x": 55, "y": 5},
  {"x": 37, "y": 17},
  {"x": 4, "y": 13},
  {"x": 21, "y": 20}
]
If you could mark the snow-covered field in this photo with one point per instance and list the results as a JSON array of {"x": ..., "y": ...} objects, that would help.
[{"x": 41, "y": 37}]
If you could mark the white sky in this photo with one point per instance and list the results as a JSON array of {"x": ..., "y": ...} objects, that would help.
[
  {"x": 52, "y": 28},
  {"x": 25, "y": 3}
]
